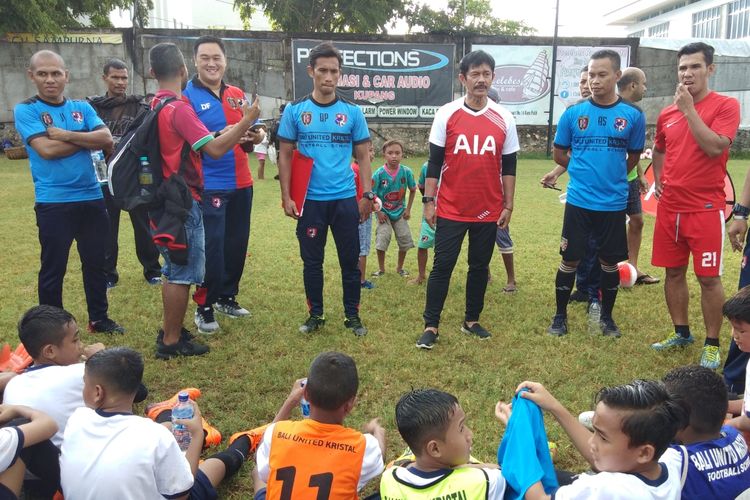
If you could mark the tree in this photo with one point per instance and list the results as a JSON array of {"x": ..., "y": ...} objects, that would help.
[
  {"x": 332, "y": 16},
  {"x": 451, "y": 21},
  {"x": 54, "y": 16}
]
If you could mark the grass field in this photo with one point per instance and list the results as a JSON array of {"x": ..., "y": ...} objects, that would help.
[{"x": 253, "y": 362}]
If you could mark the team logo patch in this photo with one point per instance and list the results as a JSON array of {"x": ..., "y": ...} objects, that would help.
[
  {"x": 216, "y": 201},
  {"x": 312, "y": 232},
  {"x": 563, "y": 244},
  {"x": 340, "y": 119},
  {"x": 306, "y": 118},
  {"x": 47, "y": 119},
  {"x": 583, "y": 122},
  {"x": 425, "y": 238},
  {"x": 77, "y": 116},
  {"x": 232, "y": 102},
  {"x": 384, "y": 183},
  {"x": 620, "y": 124}
]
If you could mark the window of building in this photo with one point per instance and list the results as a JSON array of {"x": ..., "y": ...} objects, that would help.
[
  {"x": 738, "y": 19},
  {"x": 659, "y": 30},
  {"x": 707, "y": 23},
  {"x": 637, "y": 34}
]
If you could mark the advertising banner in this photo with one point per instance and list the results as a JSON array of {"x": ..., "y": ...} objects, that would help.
[{"x": 392, "y": 82}]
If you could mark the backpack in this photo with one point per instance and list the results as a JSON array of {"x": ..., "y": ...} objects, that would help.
[{"x": 141, "y": 139}]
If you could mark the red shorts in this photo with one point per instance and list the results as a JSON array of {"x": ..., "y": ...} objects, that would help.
[{"x": 677, "y": 235}]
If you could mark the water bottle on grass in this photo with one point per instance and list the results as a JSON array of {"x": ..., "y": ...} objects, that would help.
[{"x": 183, "y": 410}]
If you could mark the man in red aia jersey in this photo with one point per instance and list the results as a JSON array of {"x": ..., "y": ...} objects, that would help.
[
  {"x": 473, "y": 145},
  {"x": 690, "y": 161}
]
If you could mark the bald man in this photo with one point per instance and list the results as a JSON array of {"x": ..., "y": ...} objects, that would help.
[
  {"x": 58, "y": 134},
  {"x": 632, "y": 88}
]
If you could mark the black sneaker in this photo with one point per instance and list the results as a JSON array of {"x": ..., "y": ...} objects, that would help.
[
  {"x": 428, "y": 339},
  {"x": 105, "y": 325},
  {"x": 477, "y": 330},
  {"x": 184, "y": 334},
  {"x": 559, "y": 326},
  {"x": 355, "y": 325},
  {"x": 313, "y": 323},
  {"x": 609, "y": 328},
  {"x": 183, "y": 347},
  {"x": 579, "y": 296}
]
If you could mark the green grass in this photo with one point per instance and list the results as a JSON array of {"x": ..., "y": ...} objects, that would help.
[{"x": 253, "y": 362}]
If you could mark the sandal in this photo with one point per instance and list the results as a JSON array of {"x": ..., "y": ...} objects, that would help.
[
  {"x": 646, "y": 279},
  {"x": 510, "y": 289},
  {"x": 377, "y": 274}
]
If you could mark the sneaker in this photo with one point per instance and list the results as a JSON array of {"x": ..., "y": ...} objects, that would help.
[
  {"x": 367, "y": 285},
  {"x": 155, "y": 409},
  {"x": 377, "y": 274},
  {"x": 231, "y": 308},
  {"x": 111, "y": 284},
  {"x": 105, "y": 325},
  {"x": 355, "y": 325},
  {"x": 710, "y": 357},
  {"x": 204, "y": 320},
  {"x": 154, "y": 280},
  {"x": 427, "y": 340},
  {"x": 477, "y": 330},
  {"x": 404, "y": 273},
  {"x": 184, "y": 334},
  {"x": 183, "y": 347},
  {"x": 609, "y": 328},
  {"x": 587, "y": 420},
  {"x": 211, "y": 435},
  {"x": 254, "y": 435},
  {"x": 559, "y": 326},
  {"x": 673, "y": 340},
  {"x": 579, "y": 296},
  {"x": 313, "y": 323}
]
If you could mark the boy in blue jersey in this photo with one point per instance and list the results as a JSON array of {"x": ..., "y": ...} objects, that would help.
[
  {"x": 326, "y": 128},
  {"x": 718, "y": 462},
  {"x": 426, "y": 236},
  {"x": 390, "y": 183},
  {"x": 58, "y": 134},
  {"x": 605, "y": 137}
]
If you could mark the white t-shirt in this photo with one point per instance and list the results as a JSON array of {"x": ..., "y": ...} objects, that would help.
[
  {"x": 412, "y": 477},
  {"x": 54, "y": 390},
  {"x": 623, "y": 486},
  {"x": 121, "y": 456},
  {"x": 746, "y": 400},
  {"x": 11, "y": 444},
  {"x": 372, "y": 463}
]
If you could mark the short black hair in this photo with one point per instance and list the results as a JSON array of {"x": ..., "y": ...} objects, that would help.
[
  {"x": 610, "y": 54},
  {"x": 118, "y": 368},
  {"x": 694, "y": 48},
  {"x": 737, "y": 307},
  {"x": 585, "y": 69},
  {"x": 43, "y": 325},
  {"x": 424, "y": 414},
  {"x": 703, "y": 392},
  {"x": 654, "y": 415},
  {"x": 325, "y": 49},
  {"x": 332, "y": 380},
  {"x": 208, "y": 39},
  {"x": 166, "y": 60},
  {"x": 113, "y": 63},
  {"x": 476, "y": 58}
]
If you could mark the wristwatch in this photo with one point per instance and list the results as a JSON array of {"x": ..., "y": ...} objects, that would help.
[
  {"x": 428, "y": 199},
  {"x": 740, "y": 210},
  {"x": 369, "y": 195}
]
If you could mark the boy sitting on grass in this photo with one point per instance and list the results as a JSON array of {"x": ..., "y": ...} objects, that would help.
[
  {"x": 737, "y": 311},
  {"x": 108, "y": 452},
  {"x": 433, "y": 425},
  {"x": 390, "y": 183},
  {"x": 633, "y": 426},
  {"x": 318, "y": 457},
  {"x": 718, "y": 462}
]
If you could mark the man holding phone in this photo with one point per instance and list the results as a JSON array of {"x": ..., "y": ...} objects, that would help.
[{"x": 228, "y": 196}]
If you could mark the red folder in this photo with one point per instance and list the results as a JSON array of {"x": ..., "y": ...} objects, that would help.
[{"x": 301, "y": 171}]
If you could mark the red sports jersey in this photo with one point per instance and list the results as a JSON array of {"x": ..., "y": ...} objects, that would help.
[
  {"x": 694, "y": 182},
  {"x": 470, "y": 187}
]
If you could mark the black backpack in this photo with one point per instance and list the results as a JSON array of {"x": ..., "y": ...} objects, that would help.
[{"x": 141, "y": 139}]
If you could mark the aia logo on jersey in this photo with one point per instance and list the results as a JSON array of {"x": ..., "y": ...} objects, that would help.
[
  {"x": 77, "y": 116},
  {"x": 46, "y": 119},
  {"x": 620, "y": 124},
  {"x": 472, "y": 147},
  {"x": 306, "y": 118},
  {"x": 311, "y": 232},
  {"x": 583, "y": 122},
  {"x": 216, "y": 202},
  {"x": 341, "y": 119}
]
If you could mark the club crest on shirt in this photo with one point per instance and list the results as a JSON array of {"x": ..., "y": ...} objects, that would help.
[
  {"x": 232, "y": 102},
  {"x": 312, "y": 232},
  {"x": 563, "y": 244},
  {"x": 620, "y": 124},
  {"x": 47, "y": 119},
  {"x": 77, "y": 116},
  {"x": 216, "y": 201},
  {"x": 340, "y": 119},
  {"x": 384, "y": 183},
  {"x": 583, "y": 122},
  {"x": 306, "y": 118}
]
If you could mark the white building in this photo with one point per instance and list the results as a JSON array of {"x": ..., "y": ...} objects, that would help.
[{"x": 727, "y": 19}]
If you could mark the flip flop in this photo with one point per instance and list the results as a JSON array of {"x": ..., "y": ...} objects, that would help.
[
  {"x": 646, "y": 279},
  {"x": 510, "y": 289}
]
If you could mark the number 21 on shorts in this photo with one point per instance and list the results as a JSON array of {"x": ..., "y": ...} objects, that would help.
[{"x": 708, "y": 259}]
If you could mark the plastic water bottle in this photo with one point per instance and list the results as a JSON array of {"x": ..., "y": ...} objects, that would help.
[
  {"x": 595, "y": 315},
  {"x": 304, "y": 405},
  {"x": 182, "y": 410},
  {"x": 100, "y": 166},
  {"x": 145, "y": 175}
]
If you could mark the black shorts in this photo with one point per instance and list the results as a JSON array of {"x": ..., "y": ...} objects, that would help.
[
  {"x": 634, "y": 198},
  {"x": 608, "y": 228}
]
